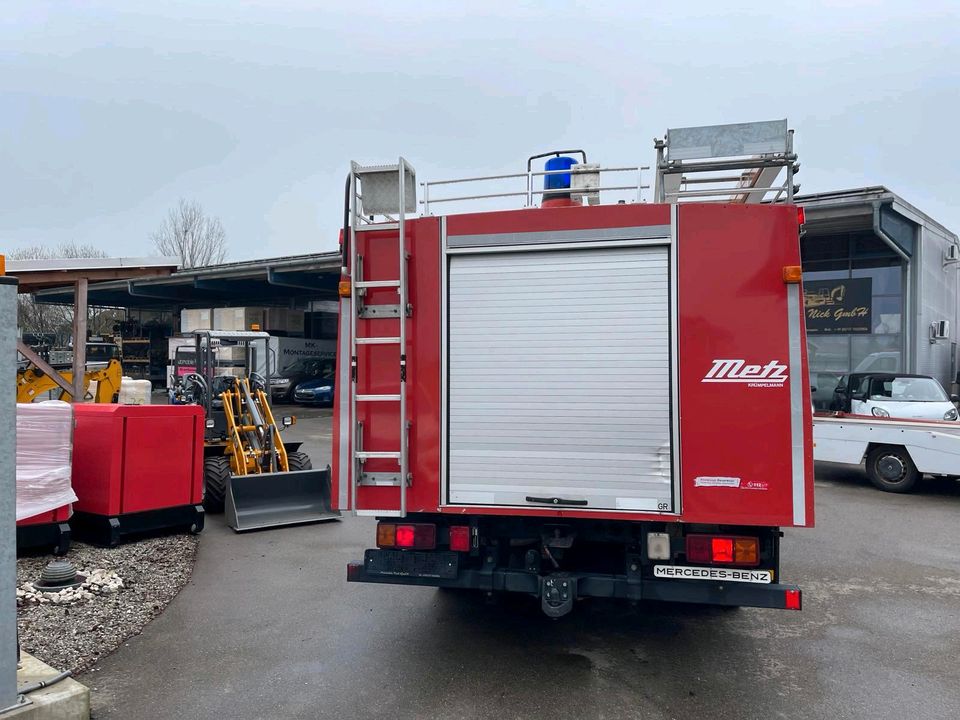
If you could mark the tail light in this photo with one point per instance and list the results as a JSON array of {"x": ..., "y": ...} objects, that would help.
[
  {"x": 419, "y": 536},
  {"x": 460, "y": 538},
  {"x": 723, "y": 550},
  {"x": 792, "y": 600}
]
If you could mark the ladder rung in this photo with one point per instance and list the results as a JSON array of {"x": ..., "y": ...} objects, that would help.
[
  {"x": 377, "y": 398},
  {"x": 377, "y": 284},
  {"x": 377, "y": 340},
  {"x": 369, "y": 455}
]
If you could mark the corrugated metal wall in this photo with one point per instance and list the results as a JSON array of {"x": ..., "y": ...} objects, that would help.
[{"x": 937, "y": 291}]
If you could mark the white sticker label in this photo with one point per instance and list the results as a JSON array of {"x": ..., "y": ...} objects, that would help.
[
  {"x": 711, "y": 481},
  {"x": 683, "y": 572}
]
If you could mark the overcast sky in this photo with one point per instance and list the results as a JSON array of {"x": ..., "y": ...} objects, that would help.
[{"x": 111, "y": 111}]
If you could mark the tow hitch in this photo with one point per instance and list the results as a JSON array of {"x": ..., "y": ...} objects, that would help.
[{"x": 557, "y": 593}]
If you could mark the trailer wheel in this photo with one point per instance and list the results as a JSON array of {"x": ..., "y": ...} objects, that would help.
[
  {"x": 299, "y": 461},
  {"x": 216, "y": 475},
  {"x": 890, "y": 468}
]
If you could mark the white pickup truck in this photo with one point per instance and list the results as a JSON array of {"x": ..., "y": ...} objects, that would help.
[{"x": 897, "y": 452}]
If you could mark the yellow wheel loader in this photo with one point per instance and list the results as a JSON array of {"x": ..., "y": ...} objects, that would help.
[
  {"x": 250, "y": 473},
  {"x": 33, "y": 383}
]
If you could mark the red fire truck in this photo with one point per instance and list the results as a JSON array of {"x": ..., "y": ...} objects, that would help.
[{"x": 591, "y": 396}]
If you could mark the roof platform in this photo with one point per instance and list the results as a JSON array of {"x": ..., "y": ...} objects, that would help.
[
  {"x": 35, "y": 275},
  {"x": 280, "y": 282}
]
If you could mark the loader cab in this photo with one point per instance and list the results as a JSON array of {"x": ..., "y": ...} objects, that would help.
[{"x": 213, "y": 365}]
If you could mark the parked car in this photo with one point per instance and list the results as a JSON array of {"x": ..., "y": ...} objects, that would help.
[
  {"x": 318, "y": 391},
  {"x": 897, "y": 395},
  {"x": 822, "y": 385},
  {"x": 283, "y": 384}
]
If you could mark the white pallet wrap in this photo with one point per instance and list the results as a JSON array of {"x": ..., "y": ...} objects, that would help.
[{"x": 44, "y": 449}]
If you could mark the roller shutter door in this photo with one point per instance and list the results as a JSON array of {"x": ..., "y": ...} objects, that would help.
[{"x": 559, "y": 378}]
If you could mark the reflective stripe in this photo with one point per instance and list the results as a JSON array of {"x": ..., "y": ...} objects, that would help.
[
  {"x": 343, "y": 390},
  {"x": 797, "y": 401}
]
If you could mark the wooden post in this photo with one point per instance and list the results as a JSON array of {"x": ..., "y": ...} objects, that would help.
[
  {"x": 79, "y": 338},
  {"x": 41, "y": 364}
]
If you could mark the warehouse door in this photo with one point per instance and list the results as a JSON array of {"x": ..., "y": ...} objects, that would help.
[{"x": 558, "y": 370}]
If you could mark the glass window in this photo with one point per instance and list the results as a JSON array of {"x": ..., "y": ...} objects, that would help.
[
  {"x": 876, "y": 353},
  {"x": 824, "y": 271},
  {"x": 828, "y": 353},
  {"x": 866, "y": 244},
  {"x": 886, "y": 280},
  {"x": 886, "y": 314},
  {"x": 907, "y": 389},
  {"x": 826, "y": 247}
]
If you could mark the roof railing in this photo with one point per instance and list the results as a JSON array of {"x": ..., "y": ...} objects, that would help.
[{"x": 586, "y": 185}]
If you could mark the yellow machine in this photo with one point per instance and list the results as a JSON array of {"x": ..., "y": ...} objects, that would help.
[
  {"x": 33, "y": 383},
  {"x": 253, "y": 437},
  {"x": 257, "y": 479}
]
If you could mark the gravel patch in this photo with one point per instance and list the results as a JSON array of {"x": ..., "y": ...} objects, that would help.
[{"x": 77, "y": 635}]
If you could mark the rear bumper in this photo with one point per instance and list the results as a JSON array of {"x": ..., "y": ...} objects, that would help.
[
  {"x": 314, "y": 399},
  {"x": 633, "y": 587}
]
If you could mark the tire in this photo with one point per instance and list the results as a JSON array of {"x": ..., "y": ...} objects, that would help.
[
  {"x": 890, "y": 468},
  {"x": 216, "y": 475},
  {"x": 299, "y": 461}
]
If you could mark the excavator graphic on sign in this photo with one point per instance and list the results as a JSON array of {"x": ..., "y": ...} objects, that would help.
[{"x": 825, "y": 297}]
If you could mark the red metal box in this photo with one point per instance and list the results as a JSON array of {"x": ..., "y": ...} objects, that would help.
[{"x": 137, "y": 468}]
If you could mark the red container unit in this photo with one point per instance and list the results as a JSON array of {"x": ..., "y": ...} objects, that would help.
[
  {"x": 137, "y": 469},
  {"x": 46, "y": 530}
]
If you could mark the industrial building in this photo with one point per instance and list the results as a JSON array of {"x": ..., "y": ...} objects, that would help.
[{"x": 881, "y": 288}]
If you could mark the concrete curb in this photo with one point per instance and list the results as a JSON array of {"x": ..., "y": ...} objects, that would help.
[{"x": 67, "y": 700}]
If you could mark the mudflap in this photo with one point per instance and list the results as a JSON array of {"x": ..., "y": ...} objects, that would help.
[{"x": 267, "y": 500}]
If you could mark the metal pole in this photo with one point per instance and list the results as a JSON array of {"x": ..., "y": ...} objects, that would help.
[
  {"x": 8, "y": 496},
  {"x": 79, "y": 338}
]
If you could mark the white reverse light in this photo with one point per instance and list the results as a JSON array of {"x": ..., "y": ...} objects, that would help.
[{"x": 658, "y": 546}]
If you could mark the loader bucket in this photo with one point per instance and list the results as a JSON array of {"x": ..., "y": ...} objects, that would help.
[{"x": 271, "y": 500}]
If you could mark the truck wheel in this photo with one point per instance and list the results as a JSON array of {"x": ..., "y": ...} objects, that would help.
[
  {"x": 216, "y": 475},
  {"x": 299, "y": 461},
  {"x": 890, "y": 468}
]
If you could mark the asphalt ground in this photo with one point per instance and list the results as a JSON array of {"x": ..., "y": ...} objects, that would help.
[{"x": 268, "y": 627}]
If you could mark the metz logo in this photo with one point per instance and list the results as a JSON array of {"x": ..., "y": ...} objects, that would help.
[{"x": 773, "y": 374}]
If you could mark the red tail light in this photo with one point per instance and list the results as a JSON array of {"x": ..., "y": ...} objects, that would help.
[
  {"x": 419, "y": 536},
  {"x": 698, "y": 549},
  {"x": 460, "y": 538},
  {"x": 406, "y": 536},
  {"x": 792, "y": 599},
  {"x": 723, "y": 550},
  {"x": 801, "y": 216}
]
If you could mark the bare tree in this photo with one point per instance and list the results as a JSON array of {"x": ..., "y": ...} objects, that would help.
[
  {"x": 42, "y": 319},
  {"x": 189, "y": 234}
]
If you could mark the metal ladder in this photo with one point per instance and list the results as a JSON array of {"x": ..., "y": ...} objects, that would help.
[{"x": 387, "y": 190}]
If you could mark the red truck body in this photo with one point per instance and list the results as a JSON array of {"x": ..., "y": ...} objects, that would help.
[{"x": 591, "y": 373}]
